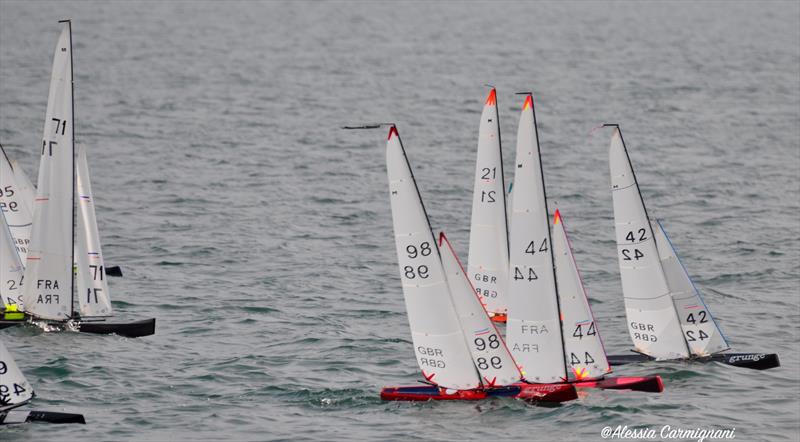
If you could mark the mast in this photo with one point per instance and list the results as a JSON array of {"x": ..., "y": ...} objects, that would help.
[
  {"x": 550, "y": 239},
  {"x": 72, "y": 159}
]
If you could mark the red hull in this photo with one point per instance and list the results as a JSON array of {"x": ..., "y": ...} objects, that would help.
[
  {"x": 529, "y": 392},
  {"x": 650, "y": 384}
]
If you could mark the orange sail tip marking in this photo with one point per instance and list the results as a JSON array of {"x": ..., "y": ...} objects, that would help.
[
  {"x": 491, "y": 100},
  {"x": 580, "y": 374},
  {"x": 528, "y": 103},
  {"x": 557, "y": 217},
  {"x": 392, "y": 131},
  {"x": 499, "y": 317}
]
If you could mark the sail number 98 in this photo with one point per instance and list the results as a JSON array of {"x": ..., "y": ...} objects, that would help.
[
  {"x": 481, "y": 344},
  {"x": 495, "y": 361},
  {"x": 424, "y": 250}
]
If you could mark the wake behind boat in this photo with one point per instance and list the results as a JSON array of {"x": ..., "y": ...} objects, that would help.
[
  {"x": 667, "y": 317},
  {"x": 62, "y": 252}
]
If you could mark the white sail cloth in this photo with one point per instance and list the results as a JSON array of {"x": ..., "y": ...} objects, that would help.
[
  {"x": 652, "y": 321},
  {"x": 439, "y": 344},
  {"x": 48, "y": 271},
  {"x": 533, "y": 330},
  {"x": 14, "y": 388},
  {"x": 488, "y": 240}
]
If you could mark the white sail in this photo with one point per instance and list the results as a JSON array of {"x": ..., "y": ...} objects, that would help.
[
  {"x": 439, "y": 343},
  {"x": 533, "y": 330},
  {"x": 489, "y": 351},
  {"x": 11, "y": 269},
  {"x": 583, "y": 345},
  {"x": 48, "y": 270},
  {"x": 14, "y": 388},
  {"x": 487, "y": 263},
  {"x": 93, "y": 295},
  {"x": 25, "y": 186},
  {"x": 699, "y": 328},
  {"x": 652, "y": 321},
  {"x": 15, "y": 203}
]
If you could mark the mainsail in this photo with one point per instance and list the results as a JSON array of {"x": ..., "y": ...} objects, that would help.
[
  {"x": 533, "y": 330},
  {"x": 14, "y": 388},
  {"x": 652, "y": 321},
  {"x": 11, "y": 269},
  {"x": 48, "y": 270},
  {"x": 15, "y": 203},
  {"x": 489, "y": 352},
  {"x": 699, "y": 328},
  {"x": 439, "y": 343},
  {"x": 583, "y": 345},
  {"x": 487, "y": 263},
  {"x": 93, "y": 294}
]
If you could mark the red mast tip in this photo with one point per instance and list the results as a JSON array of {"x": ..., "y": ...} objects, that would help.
[
  {"x": 442, "y": 238},
  {"x": 393, "y": 131},
  {"x": 528, "y": 103},
  {"x": 491, "y": 100},
  {"x": 557, "y": 217}
]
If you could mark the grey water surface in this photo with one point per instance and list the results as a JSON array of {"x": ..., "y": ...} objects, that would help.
[{"x": 260, "y": 236}]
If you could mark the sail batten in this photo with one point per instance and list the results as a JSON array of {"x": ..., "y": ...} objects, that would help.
[{"x": 653, "y": 322}]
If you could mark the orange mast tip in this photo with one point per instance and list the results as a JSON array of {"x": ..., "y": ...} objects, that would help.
[
  {"x": 393, "y": 131},
  {"x": 557, "y": 217},
  {"x": 528, "y": 103},
  {"x": 491, "y": 100}
]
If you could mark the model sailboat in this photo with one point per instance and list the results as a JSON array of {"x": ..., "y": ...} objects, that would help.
[
  {"x": 667, "y": 318},
  {"x": 49, "y": 290},
  {"x": 16, "y": 391},
  {"x": 488, "y": 241},
  {"x": 551, "y": 330},
  {"x": 460, "y": 352}
]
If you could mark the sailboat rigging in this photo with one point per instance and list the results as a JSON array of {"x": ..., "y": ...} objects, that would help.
[{"x": 667, "y": 318}]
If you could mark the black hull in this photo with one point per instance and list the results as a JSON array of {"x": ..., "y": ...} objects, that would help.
[
  {"x": 114, "y": 271},
  {"x": 754, "y": 361},
  {"x": 145, "y": 327},
  {"x": 52, "y": 417},
  {"x": 6, "y": 324}
]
